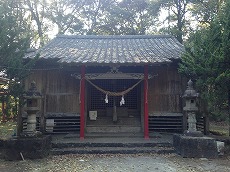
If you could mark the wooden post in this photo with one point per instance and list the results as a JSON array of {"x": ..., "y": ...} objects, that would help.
[
  {"x": 82, "y": 106},
  {"x": 146, "y": 110}
]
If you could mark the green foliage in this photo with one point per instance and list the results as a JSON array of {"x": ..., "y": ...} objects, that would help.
[
  {"x": 113, "y": 17},
  {"x": 205, "y": 11},
  {"x": 119, "y": 17},
  {"x": 15, "y": 39},
  {"x": 7, "y": 129},
  {"x": 185, "y": 16},
  {"x": 66, "y": 15},
  {"x": 218, "y": 115},
  {"x": 14, "y": 36},
  {"x": 178, "y": 21},
  {"x": 207, "y": 60},
  {"x": 129, "y": 17}
]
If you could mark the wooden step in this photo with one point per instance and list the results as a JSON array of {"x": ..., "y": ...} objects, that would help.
[
  {"x": 114, "y": 135},
  {"x": 101, "y": 121},
  {"x": 112, "y": 129}
]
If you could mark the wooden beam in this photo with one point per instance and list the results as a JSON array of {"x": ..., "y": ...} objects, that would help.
[
  {"x": 82, "y": 106},
  {"x": 146, "y": 110}
]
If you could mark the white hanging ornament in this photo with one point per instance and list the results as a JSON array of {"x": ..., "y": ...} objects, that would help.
[
  {"x": 106, "y": 98},
  {"x": 122, "y": 102}
]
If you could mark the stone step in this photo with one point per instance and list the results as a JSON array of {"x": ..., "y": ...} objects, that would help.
[
  {"x": 114, "y": 135},
  {"x": 109, "y": 135},
  {"x": 112, "y": 150},
  {"x": 111, "y": 143},
  {"x": 112, "y": 129},
  {"x": 97, "y": 143}
]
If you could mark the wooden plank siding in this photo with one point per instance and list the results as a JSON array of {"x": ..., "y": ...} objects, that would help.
[
  {"x": 59, "y": 89},
  {"x": 165, "y": 89},
  {"x": 61, "y": 97}
]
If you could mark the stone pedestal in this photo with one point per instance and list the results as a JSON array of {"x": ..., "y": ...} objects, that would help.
[
  {"x": 195, "y": 147},
  {"x": 31, "y": 123},
  {"x": 191, "y": 121}
]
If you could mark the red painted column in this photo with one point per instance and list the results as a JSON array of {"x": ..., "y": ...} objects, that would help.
[
  {"x": 82, "y": 103},
  {"x": 146, "y": 108}
]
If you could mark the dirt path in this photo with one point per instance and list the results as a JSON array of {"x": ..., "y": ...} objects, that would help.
[{"x": 117, "y": 163}]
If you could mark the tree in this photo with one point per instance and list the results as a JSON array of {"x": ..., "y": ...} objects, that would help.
[
  {"x": 15, "y": 39},
  {"x": 186, "y": 16},
  {"x": 207, "y": 59},
  {"x": 66, "y": 15},
  {"x": 178, "y": 11},
  {"x": 103, "y": 16},
  {"x": 129, "y": 17},
  {"x": 94, "y": 13},
  {"x": 204, "y": 11},
  {"x": 37, "y": 11}
]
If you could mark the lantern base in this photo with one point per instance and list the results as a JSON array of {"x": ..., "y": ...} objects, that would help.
[
  {"x": 31, "y": 134},
  {"x": 193, "y": 133},
  {"x": 195, "y": 147},
  {"x": 28, "y": 148}
]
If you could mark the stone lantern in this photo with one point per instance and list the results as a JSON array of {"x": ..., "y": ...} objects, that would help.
[
  {"x": 193, "y": 144},
  {"x": 190, "y": 96},
  {"x": 32, "y": 98},
  {"x": 31, "y": 144}
]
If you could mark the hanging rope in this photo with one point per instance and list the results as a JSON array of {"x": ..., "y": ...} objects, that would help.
[{"x": 110, "y": 93}]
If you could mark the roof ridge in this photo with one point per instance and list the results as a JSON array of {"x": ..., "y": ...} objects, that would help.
[{"x": 113, "y": 36}]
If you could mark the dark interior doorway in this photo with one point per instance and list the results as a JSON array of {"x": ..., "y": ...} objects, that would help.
[{"x": 96, "y": 99}]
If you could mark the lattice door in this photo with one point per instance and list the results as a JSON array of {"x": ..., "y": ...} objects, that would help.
[{"x": 97, "y": 98}]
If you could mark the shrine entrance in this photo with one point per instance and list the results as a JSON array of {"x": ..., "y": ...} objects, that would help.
[{"x": 114, "y": 113}]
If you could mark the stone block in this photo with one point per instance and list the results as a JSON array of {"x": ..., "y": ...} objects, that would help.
[
  {"x": 195, "y": 147},
  {"x": 29, "y": 148}
]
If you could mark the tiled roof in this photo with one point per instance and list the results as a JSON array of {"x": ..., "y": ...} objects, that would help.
[{"x": 112, "y": 49}]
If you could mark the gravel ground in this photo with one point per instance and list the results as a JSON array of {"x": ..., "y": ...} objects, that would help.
[{"x": 117, "y": 163}]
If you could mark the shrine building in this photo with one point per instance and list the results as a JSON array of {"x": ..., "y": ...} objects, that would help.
[{"x": 109, "y": 84}]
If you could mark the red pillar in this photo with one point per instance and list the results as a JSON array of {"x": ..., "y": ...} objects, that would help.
[
  {"x": 146, "y": 110},
  {"x": 82, "y": 103}
]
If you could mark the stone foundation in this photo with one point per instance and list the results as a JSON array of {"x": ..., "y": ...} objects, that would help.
[
  {"x": 195, "y": 147},
  {"x": 27, "y": 148}
]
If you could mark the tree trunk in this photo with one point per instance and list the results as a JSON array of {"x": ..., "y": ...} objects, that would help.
[{"x": 179, "y": 21}]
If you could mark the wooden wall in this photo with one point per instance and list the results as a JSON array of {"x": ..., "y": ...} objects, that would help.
[
  {"x": 59, "y": 89},
  {"x": 165, "y": 89}
]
